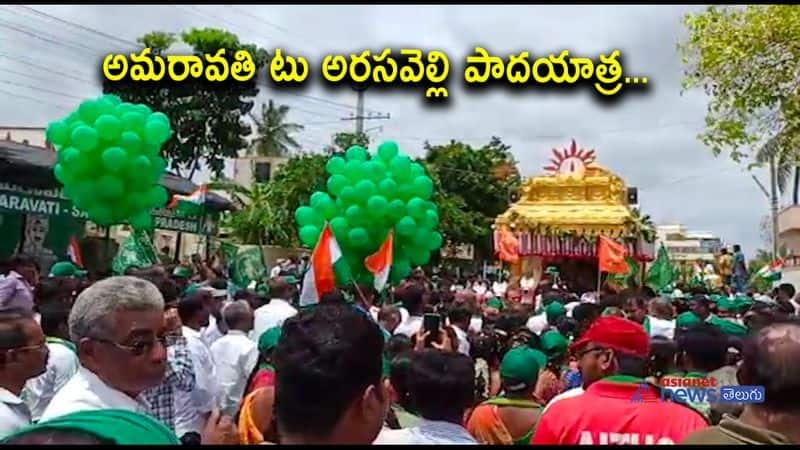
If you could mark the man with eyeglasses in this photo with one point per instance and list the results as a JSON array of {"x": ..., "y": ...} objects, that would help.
[
  {"x": 118, "y": 327},
  {"x": 23, "y": 355},
  {"x": 613, "y": 355}
]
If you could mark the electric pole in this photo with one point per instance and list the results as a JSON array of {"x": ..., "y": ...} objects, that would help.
[{"x": 360, "y": 117}]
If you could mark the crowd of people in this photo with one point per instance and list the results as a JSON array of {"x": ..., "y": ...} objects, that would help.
[{"x": 174, "y": 356}]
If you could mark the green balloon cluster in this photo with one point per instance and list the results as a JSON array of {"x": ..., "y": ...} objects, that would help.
[
  {"x": 109, "y": 160},
  {"x": 366, "y": 197}
]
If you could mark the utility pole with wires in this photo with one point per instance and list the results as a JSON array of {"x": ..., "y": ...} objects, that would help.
[
  {"x": 360, "y": 117},
  {"x": 772, "y": 196}
]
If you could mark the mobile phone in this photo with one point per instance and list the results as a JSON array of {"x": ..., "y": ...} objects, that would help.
[{"x": 430, "y": 324}]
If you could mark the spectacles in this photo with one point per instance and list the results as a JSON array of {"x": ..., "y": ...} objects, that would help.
[
  {"x": 585, "y": 352},
  {"x": 137, "y": 348},
  {"x": 26, "y": 348}
]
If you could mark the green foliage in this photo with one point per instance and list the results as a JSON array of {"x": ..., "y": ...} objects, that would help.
[
  {"x": 342, "y": 141},
  {"x": 206, "y": 118},
  {"x": 746, "y": 59},
  {"x": 472, "y": 187},
  {"x": 274, "y": 133},
  {"x": 254, "y": 220}
]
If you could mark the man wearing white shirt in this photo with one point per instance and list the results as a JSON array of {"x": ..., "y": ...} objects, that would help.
[
  {"x": 62, "y": 363},
  {"x": 118, "y": 326},
  {"x": 460, "y": 317},
  {"x": 235, "y": 355},
  {"x": 274, "y": 313},
  {"x": 412, "y": 297},
  {"x": 23, "y": 355},
  {"x": 218, "y": 298},
  {"x": 194, "y": 313}
]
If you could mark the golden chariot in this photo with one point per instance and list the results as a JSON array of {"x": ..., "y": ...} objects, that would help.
[{"x": 559, "y": 216}]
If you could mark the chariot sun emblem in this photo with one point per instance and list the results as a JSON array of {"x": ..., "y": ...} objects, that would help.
[{"x": 570, "y": 162}]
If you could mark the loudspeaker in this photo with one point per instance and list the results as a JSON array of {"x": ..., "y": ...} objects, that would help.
[{"x": 633, "y": 196}]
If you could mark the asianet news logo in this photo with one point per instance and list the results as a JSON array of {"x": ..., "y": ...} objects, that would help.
[{"x": 701, "y": 390}]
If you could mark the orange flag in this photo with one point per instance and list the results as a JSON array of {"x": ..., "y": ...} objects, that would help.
[{"x": 611, "y": 256}]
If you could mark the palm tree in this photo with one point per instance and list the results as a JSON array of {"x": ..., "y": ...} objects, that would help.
[
  {"x": 785, "y": 157},
  {"x": 274, "y": 133}
]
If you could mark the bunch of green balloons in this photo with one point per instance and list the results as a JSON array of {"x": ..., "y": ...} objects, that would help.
[
  {"x": 109, "y": 160},
  {"x": 367, "y": 196}
]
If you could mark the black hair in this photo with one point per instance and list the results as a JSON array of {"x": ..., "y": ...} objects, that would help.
[
  {"x": 550, "y": 297},
  {"x": 484, "y": 345},
  {"x": 773, "y": 362},
  {"x": 633, "y": 365},
  {"x": 705, "y": 344},
  {"x": 411, "y": 298},
  {"x": 586, "y": 313},
  {"x": 55, "y": 289},
  {"x": 165, "y": 285},
  {"x": 441, "y": 385},
  {"x": 736, "y": 247},
  {"x": 54, "y": 315},
  {"x": 325, "y": 359},
  {"x": 334, "y": 297},
  {"x": 509, "y": 322},
  {"x": 662, "y": 355},
  {"x": 20, "y": 261},
  {"x": 566, "y": 326},
  {"x": 396, "y": 345},
  {"x": 400, "y": 368},
  {"x": 219, "y": 284},
  {"x": 191, "y": 304},
  {"x": 279, "y": 288},
  {"x": 12, "y": 334}
]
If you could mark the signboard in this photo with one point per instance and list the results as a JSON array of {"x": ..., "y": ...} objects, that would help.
[{"x": 51, "y": 202}]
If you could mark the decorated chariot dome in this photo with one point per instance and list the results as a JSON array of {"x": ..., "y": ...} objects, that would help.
[{"x": 560, "y": 214}]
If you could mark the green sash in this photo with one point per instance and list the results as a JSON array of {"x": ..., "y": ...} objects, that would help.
[{"x": 65, "y": 343}]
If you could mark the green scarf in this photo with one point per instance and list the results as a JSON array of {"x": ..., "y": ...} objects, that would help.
[
  {"x": 65, "y": 343},
  {"x": 113, "y": 426}
]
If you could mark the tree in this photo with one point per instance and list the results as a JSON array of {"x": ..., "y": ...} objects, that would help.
[
  {"x": 342, "y": 141},
  {"x": 473, "y": 187},
  {"x": 291, "y": 187},
  {"x": 254, "y": 220},
  {"x": 746, "y": 59},
  {"x": 274, "y": 133},
  {"x": 206, "y": 117}
]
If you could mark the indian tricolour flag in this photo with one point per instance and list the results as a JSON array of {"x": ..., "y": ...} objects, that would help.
[
  {"x": 772, "y": 271},
  {"x": 380, "y": 262},
  {"x": 326, "y": 260},
  {"x": 189, "y": 205},
  {"x": 74, "y": 252}
]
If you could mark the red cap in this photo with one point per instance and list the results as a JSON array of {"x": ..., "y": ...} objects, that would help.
[{"x": 617, "y": 333}]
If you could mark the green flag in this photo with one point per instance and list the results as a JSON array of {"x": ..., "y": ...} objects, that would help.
[
  {"x": 660, "y": 275},
  {"x": 247, "y": 266},
  {"x": 136, "y": 251},
  {"x": 628, "y": 279}
]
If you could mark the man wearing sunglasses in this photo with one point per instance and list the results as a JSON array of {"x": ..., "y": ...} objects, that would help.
[
  {"x": 23, "y": 355},
  {"x": 118, "y": 326},
  {"x": 613, "y": 355}
]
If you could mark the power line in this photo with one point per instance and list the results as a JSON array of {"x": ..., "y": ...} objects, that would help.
[
  {"x": 36, "y": 88},
  {"x": 78, "y": 47},
  {"x": 34, "y": 99},
  {"x": 77, "y": 25},
  {"x": 48, "y": 69}
]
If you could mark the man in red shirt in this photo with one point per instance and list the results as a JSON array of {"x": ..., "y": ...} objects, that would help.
[{"x": 618, "y": 407}]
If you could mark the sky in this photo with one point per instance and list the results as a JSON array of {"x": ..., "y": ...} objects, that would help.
[{"x": 49, "y": 55}]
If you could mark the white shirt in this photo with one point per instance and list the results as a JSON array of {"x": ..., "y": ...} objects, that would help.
[
  {"x": 426, "y": 432},
  {"x": 410, "y": 326},
  {"x": 14, "y": 414},
  {"x": 235, "y": 356},
  {"x": 205, "y": 395},
  {"x": 275, "y": 271},
  {"x": 211, "y": 333},
  {"x": 500, "y": 288},
  {"x": 463, "y": 342},
  {"x": 537, "y": 323},
  {"x": 271, "y": 315},
  {"x": 527, "y": 283},
  {"x": 62, "y": 364},
  {"x": 661, "y": 327},
  {"x": 574, "y": 392},
  {"x": 85, "y": 391},
  {"x": 476, "y": 324}
]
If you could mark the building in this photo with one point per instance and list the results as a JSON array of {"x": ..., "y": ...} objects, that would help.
[
  {"x": 256, "y": 169},
  {"x": 789, "y": 237},
  {"x": 33, "y": 136},
  {"x": 683, "y": 244}
]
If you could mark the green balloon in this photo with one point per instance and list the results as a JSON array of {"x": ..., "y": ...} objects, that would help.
[
  {"x": 159, "y": 165},
  {"x": 405, "y": 192},
  {"x": 123, "y": 108},
  {"x": 142, "y": 221},
  {"x": 62, "y": 174},
  {"x": 358, "y": 237},
  {"x": 160, "y": 116},
  {"x": 317, "y": 198},
  {"x": 388, "y": 150},
  {"x": 354, "y": 170},
  {"x": 157, "y": 196},
  {"x": 141, "y": 164},
  {"x": 364, "y": 190},
  {"x": 115, "y": 159},
  {"x": 388, "y": 188},
  {"x": 421, "y": 237},
  {"x": 356, "y": 153},
  {"x": 151, "y": 149},
  {"x": 133, "y": 122},
  {"x": 436, "y": 241},
  {"x": 401, "y": 268},
  {"x": 100, "y": 215},
  {"x": 143, "y": 110},
  {"x": 335, "y": 165},
  {"x": 423, "y": 187},
  {"x": 417, "y": 170},
  {"x": 156, "y": 132},
  {"x": 131, "y": 142},
  {"x": 340, "y": 228},
  {"x": 108, "y": 127},
  {"x": 401, "y": 166},
  {"x": 355, "y": 216},
  {"x": 305, "y": 216},
  {"x": 420, "y": 256},
  {"x": 416, "y": 208},
  {"x": 89, "y": 110},
  {"x": 431, "y": 220},
  {"x": 336, "y": 183},
  {"x": 377, "y": 206},
  {"x": 406, "y": 226},
  {"x": 69, "y": 156},
  {"x": 348, "y": 195},
  {"x": 396, "y": 210},
  {"x": 328, "y": 209},
  {"x": 309, "y": 235},
  {"x": 113, "y": 99},
  {"x": 110, "y": 187},
  {"x": 138, "y": 200},
  {"x": 84, "y": 138},
  {"x": 58, "y": 133}
]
